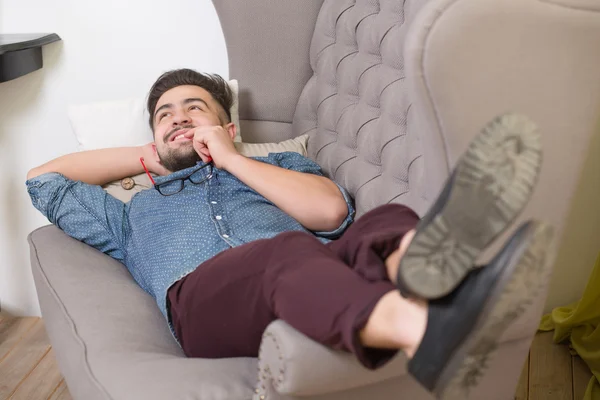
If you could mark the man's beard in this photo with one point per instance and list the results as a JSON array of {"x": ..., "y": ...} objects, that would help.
[{"x": 177, "y": 159}]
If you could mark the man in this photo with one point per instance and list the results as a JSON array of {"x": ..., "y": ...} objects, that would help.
[{"x": 227, "y": 244}]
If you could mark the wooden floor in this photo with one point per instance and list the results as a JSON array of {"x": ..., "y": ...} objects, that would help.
[
  {"x": 551, "y": 373},
  {"x": 28, "y": 368}
]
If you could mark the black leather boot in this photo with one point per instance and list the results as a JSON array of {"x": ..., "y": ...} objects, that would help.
[
  {"x": 463, "y": 327},
  {"x": 489, "y": 187}
]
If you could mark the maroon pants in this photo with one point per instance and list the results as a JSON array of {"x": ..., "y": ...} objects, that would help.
[{"x": 326, "y": 291}]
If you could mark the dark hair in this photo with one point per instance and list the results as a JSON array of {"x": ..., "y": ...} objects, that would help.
[{"x": 214, "y": 84}]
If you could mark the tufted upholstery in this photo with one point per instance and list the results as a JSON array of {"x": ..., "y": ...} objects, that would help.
[{"x": 356, "y": 107}]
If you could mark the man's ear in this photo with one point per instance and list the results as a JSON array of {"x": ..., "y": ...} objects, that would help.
[
  {"x": 231, "y": 129},
  {"x": 155, "y": 153}
]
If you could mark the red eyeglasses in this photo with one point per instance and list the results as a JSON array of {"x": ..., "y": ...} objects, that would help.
[{"x": 146, "y": 169}]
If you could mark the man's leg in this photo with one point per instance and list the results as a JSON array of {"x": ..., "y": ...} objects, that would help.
[
  {"x": 373, "y": 246},
  {"x": 373, "y": 239},
  {"x": 222, "y": 308},
  {"x": 469, "y": 308},
  {"x": 454, "y": 334},
  {"x": 449, "y": 341}
]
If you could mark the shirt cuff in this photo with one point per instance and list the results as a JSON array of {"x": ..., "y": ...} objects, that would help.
[
  {"x": 334, "y": 234},
  {"x": 39, "y": 187}
]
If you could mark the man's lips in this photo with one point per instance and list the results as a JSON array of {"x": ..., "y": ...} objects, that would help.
[{"x": 175, "y": 135}]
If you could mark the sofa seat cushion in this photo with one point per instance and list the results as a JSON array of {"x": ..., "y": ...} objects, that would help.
[{"x": 110, "y": 339}]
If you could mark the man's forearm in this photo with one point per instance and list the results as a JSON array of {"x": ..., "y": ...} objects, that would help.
[
  {"x": 314, "y": 201},
  {"x": 96, "y": 167}
]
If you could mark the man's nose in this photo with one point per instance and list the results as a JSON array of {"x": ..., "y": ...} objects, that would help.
[{"x": 181, "y": 118}]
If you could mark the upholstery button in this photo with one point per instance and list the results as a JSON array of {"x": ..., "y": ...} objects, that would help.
[
  {"x": 225, "y": 235},
  {"x": 218, "y": 217},
  {"x": 127, "y": 183}
]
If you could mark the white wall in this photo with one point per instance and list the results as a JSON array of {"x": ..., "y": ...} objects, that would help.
[{"x": 111, "y": 49}]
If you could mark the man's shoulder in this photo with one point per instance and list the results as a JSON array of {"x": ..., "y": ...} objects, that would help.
[
  {"x": 289, "y": 157},
  {"x": 295, "y": 161}
]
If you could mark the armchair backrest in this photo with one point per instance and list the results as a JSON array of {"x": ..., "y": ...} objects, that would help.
[
  {"x": 348, "y": 64},
  {"x": 268, "y": 46},
  {"x": 336, "y": 69}
]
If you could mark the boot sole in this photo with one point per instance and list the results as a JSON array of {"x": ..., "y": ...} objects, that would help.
[
  {"x": 492, "y": 183},
  {"x": 517, "y": 288}
]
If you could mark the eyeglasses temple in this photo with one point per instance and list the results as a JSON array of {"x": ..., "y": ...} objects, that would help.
[{"x": 146, "y": 169}]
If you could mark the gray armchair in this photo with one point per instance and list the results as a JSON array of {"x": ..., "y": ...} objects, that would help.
[{"x": 390, "y": 92}]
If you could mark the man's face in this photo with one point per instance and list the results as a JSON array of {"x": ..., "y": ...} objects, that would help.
[{"x": 177, "y": 111}]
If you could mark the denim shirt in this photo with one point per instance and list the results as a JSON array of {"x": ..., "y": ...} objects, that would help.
[{"x": 161, "y": 239}]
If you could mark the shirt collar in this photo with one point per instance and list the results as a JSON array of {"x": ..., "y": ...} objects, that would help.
[{"x": 182, "y": 173}]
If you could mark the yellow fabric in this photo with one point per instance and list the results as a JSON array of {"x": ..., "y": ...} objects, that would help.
[{"x": 580, "y": 322}]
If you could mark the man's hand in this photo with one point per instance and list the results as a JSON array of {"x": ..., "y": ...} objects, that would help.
[{"x": 213, "y": 142}]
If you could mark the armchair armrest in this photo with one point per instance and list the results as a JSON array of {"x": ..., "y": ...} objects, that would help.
[{"x": 293, "y": 364}]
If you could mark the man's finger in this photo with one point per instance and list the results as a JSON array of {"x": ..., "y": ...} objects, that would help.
[
  {"x": 202, "y": 150},
  {"x": 204, "y": 158}
]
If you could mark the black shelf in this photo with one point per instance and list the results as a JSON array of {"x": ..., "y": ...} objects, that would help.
[{"x": 21, "y": 53}]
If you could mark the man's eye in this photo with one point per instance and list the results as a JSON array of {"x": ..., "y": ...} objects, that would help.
[
  {"x": 195, "y": 107},
  {"x": 161, "y": 116}
]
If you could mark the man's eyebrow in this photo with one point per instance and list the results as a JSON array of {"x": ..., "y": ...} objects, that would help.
[
  {"x": 186, "y": 101},
  {"x": 168, "y": 105},
  {"x": 195, "y": 99}
]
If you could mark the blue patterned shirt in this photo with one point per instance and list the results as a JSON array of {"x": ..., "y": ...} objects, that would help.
[{"x": 161, "y": 239}]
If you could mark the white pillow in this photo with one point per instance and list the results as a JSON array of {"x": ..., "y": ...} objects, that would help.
[{"x": 123, "y": 122}]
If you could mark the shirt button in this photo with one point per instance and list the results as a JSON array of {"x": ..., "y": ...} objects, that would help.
[
  {"x": 218, "y": 217},
  {"x": 213, "y": 202},
  {"x": 127, "y": 183},
  {"x": 225, "y": 235}
]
